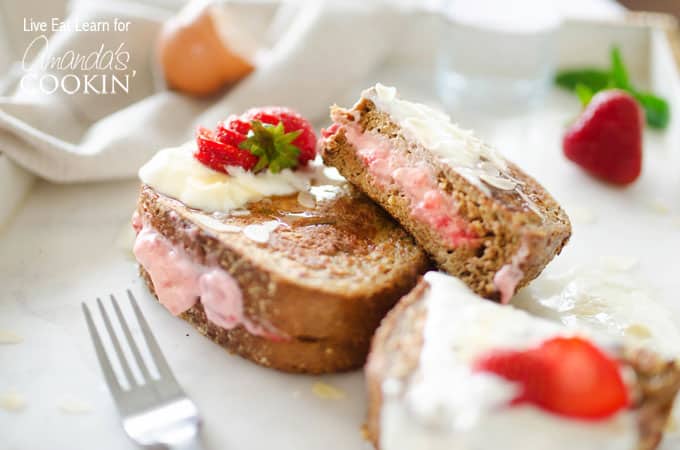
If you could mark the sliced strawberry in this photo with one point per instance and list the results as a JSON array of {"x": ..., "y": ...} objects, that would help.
[
  {"x": 567, "y": 376},
  {"x": 255, "y": 141},
  {"x": 239, "y": 125},
  {"x": 229, "y": 136},
  {"x": 218, "y": 155},
  {"x": 525, "y": 368},
  {"x": 606, "y": 139}
]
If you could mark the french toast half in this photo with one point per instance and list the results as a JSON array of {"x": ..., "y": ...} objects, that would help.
[
  {"x": 476, "y": 214},
  {"x": 409, "y": 406},
  {"x": 312, "y": 281}
]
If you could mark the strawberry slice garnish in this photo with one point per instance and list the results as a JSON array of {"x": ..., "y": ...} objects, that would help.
[
  {"x": 219, "y": 155},
  {"x": 272, "y": 137},
  {"x": 567, "y": 376},
  {"x": 606, "y": 139},
  {"x": 230, "y": 136},
  {"x": 237, "y": 124}
]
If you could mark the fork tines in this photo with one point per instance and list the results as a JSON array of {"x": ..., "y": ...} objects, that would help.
[
  {"x": 117, "y": 386},
  {"x": 154, "y": 409}
]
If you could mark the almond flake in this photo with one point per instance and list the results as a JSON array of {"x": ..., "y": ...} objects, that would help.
[
  {"x": 260, "y": 232},
  {"x": 215, "y": 224},
  {"x": 327, "y": 392},
  {"x": 12, "y": 401},
  {"x": 658, "y": 206},
  {"x": 639, "y": 331},
  {"x": 497, "y": 181},
  {"x": 8, "y": 337},
  {"x": 306, "y": 199},
  {"x": 74, "y": 406}
]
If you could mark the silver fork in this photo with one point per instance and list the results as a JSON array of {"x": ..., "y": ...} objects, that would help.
[{"x": 155, "y": 412}]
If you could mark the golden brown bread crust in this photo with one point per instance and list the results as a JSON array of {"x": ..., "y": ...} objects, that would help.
[
  {"x": 396, "y": 347},
  {"x": 324, "y": 280},
  {"x": 395, "y": 351},
  {"x": 658, "y": 383},
  {"x": 503, "y": 220}
]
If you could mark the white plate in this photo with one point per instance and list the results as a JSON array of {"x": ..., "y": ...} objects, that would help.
[{"x": 65, "y": 246}]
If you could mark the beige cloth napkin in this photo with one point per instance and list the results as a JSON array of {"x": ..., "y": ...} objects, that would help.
[
  {"x": 82, "y": 137},
  {"x": 312, "y": 52}
]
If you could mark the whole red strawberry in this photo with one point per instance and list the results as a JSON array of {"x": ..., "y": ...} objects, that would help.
[
  {"x": 606, "y": 139},
  {"x": 567, "y": 376},
  {"x": 272, "y": 137}
]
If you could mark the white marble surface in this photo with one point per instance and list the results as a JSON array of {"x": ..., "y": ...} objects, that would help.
[{"x": 64, "y": 247}]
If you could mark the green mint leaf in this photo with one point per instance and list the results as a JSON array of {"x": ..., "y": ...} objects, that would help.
[
  {"x": 584, "y": 93},
  {"x": 619, "y": 73},
  {"x": 593, "y": 79},
  {"x": 588, "y": 81},
  {"x": 657, "y": 110}
]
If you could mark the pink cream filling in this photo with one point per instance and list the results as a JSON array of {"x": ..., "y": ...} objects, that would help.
[
  {"x": 509, "y": 276},
  {"x": 180, "y": 282},
  {"x": 506, "y": 280},
  {"x": 430, "y": 205}
]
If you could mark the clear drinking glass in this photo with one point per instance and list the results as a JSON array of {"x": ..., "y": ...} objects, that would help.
[{"x": 496, "y": 56}]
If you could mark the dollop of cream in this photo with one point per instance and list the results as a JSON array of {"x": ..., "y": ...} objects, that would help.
[
  {"x": 605, "y": 298},
  {"x": 176, "y": 173},
  {"x": 445, "y": 405},
  {"x": 478, "y": 162}
]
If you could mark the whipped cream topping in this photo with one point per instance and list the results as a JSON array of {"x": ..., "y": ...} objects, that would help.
[
  {"x": 479, "y": 163},
  {"x": 607, "y": 299},
  {"x": 176, "y": 173},
  {"x": 446, "y": 405}
]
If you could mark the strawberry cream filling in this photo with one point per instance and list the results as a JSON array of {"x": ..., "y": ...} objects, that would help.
[
  {"x": 509, "y": 276},
  {"x": 430, "y": 205},
  {"x": 180, "y": 282}
]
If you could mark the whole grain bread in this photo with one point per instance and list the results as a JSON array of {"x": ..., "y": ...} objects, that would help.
[
  {"x": 395, "y": 353},
  {"x": 323, "y": 280},
  {"x": 531, "y": 224}
]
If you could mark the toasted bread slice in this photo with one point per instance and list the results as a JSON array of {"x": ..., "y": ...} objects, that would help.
[
  {"x": 478, "y": 216},
  {"x": 405, "y": 406},
  {"x": 314, "y": 280}
]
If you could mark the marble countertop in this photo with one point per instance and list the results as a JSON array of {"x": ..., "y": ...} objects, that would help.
[{"x": 70, "y": 244}]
